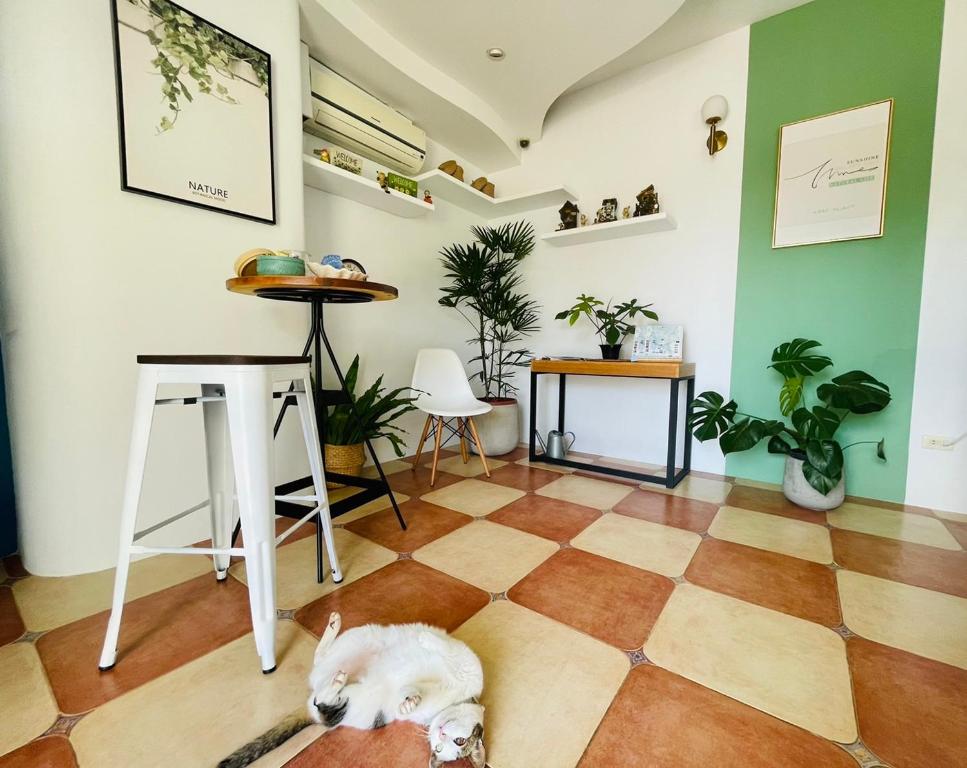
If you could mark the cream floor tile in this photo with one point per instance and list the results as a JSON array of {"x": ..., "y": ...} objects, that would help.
[
  {"x": 698, "y": 488},
  {"x": 786, "y": 666},
  {"x": 27, "y": 707},
  {"x": 795, "y": 538},
  {"x": 954, "y": 517},
  {"x": 891, "y": 524},
  {"x": 490, "y": 556},
  {"x": 639, "y": 466},
  {"x": 921, "y": 621},
  {"x": 376, "y": 505},
  {"x": 201, "y": 712},
  {"x": 473, "y": 497},
  {"x": 758, "y": 484},
  {"x": 49, "y": 602},
  {"x": 389, "y": 468},
  {"x": 546, "y": 686},
  {"x": 474, "y": 467},
  {"x": 643, "y": 544},
  {"x": 295, "y": 571},
  {"x": 542, "y": 465},
  {"x": 597, "y": 494}
]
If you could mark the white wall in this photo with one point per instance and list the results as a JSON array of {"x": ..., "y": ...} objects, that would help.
[
  {"x": 92, "y": 276},
  {"x": 612, "y": 140},
  {"x": 938, "y": 479}
]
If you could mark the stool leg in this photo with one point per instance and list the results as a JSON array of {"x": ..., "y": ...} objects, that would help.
[
  {"x": 480, "y": 448},
  {"x": 137, "y": 458},
  {"x": 249, "y": 405},
  {"x": 419, "y": 446},
  {"x": 306, "y": 411},
  {"x": 221, "y": 475}
]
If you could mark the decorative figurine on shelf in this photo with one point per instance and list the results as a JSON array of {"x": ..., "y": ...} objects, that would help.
[
  {"x": 381, "y": 180},
  {"x": 482, "y": 185},
  {"x": 647, "y": 201},
  {"x": 626, "y": 212},
  {"x": 347, "y": 161},
  {"x": 608, "y": 211},
  {"x": 584, "y": 220},
  {"x": 401, "y": 184},
  {"x": 427, "y": 197},
  {"x": 322, "y": 154},
  {"x": 451, "y": 168},
  {"x": 569, "y": 215}
]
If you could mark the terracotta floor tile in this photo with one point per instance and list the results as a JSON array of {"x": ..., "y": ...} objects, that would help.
[
  {"x": 583, "y": 591},
  {"x": 653, "y": 547},
  {"x": 958, "y": 531},
  {"x": 522, "y": 478},
  {"x": 788, "y": 584},
  {"x": 518, "y": 453},
  {"x": 676, "y": 511},
  {"x": 416, "y": 482},
  {"x": 159, "y": 633},
  {"x": 376, "y": 505},
  {"x": 590, "y": 492},
  {"x": 11, "y": 625},
  {"x": 473, "y": 497},
  {"x": 551, "y": 518},
  {"x": 773, "y": 533},
  {"x": 696, "y": 486},
  {"x": 773, "y": 502},
  {"x": 917, "y": 564},
  {"x": 403, "y": 592},
  {"x": 921, "y": 621},
  {"x": 791, "y": 668},
  {"x": 892, "y": 524},
  {"x": 424, "y": 523},
  {"x": 911, "y": 710},
  {"x": 200, "y": 712},
  {"x": 661, "y": 720},
  {"x": 46, "y": 752},
  {"x": 428, "y": 454}
]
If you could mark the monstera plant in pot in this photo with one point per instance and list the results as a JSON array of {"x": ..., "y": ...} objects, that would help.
[
  {"x": 485, "y": 287},
  {"x": 815, "y": 474}
]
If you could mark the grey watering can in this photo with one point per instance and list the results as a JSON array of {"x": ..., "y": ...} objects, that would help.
[{"x": 556, "y": 447}]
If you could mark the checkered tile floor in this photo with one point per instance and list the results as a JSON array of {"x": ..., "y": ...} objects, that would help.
[{"x": 619, "y": 625}]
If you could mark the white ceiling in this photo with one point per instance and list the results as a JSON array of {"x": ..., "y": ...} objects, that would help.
[{"x": 428, "y": 58}]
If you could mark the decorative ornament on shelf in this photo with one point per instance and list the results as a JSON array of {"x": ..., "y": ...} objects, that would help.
[
  {"x": 569, "y": 215},
  {"x": 626, "y": 212},
  {"x": 381, "y": 180},
  {"x": 322, "y": 154},
  {"x": 401, "y": 184},
  {"x": 451, "y": 168},
  {"x": 584, "y": 220},
  {"x": 427, "y": 197},
  {"x": 348, "y": 162},
  {"x": 482, "y": 185},
  {"x": 608, "y": 211},
  {"x": 335, "y": 267},
  {"x": 647, "y": 201}
]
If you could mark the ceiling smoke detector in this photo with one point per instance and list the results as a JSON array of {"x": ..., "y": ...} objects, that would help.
[{"x": 495, "y": 53}]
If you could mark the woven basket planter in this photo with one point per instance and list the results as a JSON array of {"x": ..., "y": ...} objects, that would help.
[{"x": 345, "y": 460}]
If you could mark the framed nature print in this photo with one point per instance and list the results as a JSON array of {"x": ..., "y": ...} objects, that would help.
[
  {"x": 831, "y": 178},
  {"x": 194, "y": 111}
]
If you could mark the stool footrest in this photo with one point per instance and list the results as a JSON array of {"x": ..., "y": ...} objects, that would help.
[
  {"x": 137, "y": 549},
  {"x": 292, "y": 528}
]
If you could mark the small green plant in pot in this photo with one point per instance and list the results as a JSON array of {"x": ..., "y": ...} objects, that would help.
[
  {"x": 815, "y": 473},
  {"x": 611, "y": 324},
  {"x": 375, "y": 413}
]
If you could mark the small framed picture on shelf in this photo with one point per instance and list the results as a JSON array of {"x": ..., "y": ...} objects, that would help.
[{"x": 658, "y": 342}]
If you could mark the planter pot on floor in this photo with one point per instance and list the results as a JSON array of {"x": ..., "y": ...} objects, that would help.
[
  {"x": 499, "y": 430},
  {"x": 344, "y": 460},
  {"x": 797, "y": 489}
]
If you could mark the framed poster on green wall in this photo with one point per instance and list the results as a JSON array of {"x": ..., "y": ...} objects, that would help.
[{"x": 831, "y": 177}]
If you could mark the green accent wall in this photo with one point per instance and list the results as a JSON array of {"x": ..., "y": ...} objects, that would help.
[{"x": 860, "y": 298}]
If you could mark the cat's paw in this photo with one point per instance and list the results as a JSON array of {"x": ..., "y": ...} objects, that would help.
[
  {"x": 335, "y": 621},
  {"x": 410, "y": 703},
  {"x": 339, "y": 680}
]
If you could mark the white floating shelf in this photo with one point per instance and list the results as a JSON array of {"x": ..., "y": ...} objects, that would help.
[
  {"x": 336, "y": 181},
  {"x": 461, "y": 194},
  {"x": 640, "y": 225}
]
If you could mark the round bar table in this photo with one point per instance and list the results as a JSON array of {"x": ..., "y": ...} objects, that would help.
[{"x": 317, "y": 292}]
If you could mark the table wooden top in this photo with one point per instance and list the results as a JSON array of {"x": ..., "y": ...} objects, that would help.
[
  {"x": 267, "y": 284},
  {"x": 644, "y": 369}
]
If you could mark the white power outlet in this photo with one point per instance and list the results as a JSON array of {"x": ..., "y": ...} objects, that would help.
[{"x": 937, "y": 443}]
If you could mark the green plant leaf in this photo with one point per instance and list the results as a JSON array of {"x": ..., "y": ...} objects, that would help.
[
  {"x": 823, "y": 467},
  {"x": 856, "y": 392},
  {"x": 818, "y": 424},
  {"x": 790, "y": 394},
  {"x": 778, "y": 445},
  {"x": 792, "y": 358},
  {"x": 746, "y": 433},
  {"x": 711, "y": 415}
]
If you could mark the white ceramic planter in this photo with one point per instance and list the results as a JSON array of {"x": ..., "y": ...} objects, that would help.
[
  {"x": 797, "y": 489},
  {"x": 499, "y": 430}
]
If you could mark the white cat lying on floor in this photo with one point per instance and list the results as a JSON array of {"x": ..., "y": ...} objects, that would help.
[{"x": 372, "y": 675}]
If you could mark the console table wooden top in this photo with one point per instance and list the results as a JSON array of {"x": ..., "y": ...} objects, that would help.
[{"x": 644, "y": 369}]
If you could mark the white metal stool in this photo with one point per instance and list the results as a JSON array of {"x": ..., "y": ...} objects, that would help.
[{"x": 237, "y": 405}]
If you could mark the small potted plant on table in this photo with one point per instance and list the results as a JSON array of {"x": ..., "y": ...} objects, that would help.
[
  {"x": 375, "y": 412},
  {"x": 815, "y": 475},
  {"x": 485, "y": 288},
  {"x": 611, "y": 325}
]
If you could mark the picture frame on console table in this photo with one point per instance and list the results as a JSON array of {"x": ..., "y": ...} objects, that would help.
[
  {"x": 194, "y": 111},
  {"x": 831, "y": 176}
]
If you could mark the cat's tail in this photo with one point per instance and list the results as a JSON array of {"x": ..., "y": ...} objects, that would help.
[{"x": 262, "y": 745}]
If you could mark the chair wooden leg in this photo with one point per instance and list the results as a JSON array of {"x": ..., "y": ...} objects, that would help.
[
  {"x": 419, "y": 447},
  {"x": 480, "y": 448},
  {"x": 464, "y": 454},
  {"x": 436, "y": 449}
]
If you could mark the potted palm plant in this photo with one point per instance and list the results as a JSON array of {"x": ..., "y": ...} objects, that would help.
[
  {"x": 611, "y": 325},
  {"x": 375, "y": 411},
  {"x": 485, "y": 287},
  {"x": 815, "y": 475}
]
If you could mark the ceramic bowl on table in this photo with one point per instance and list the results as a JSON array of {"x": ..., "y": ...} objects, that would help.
[{"x": 281, "y": 265}]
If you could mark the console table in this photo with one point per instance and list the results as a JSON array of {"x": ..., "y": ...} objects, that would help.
[{"x": 673, "y": 372}]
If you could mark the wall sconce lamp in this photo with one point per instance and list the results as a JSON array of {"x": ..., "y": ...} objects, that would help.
[{"x": 714, "y": 110}]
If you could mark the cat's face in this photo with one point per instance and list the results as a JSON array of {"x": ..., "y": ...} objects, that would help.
[{"x": 457, "y": 732}]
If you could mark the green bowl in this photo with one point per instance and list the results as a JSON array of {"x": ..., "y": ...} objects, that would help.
[{"x": 280, "y": 265}]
